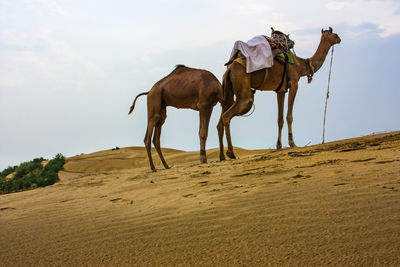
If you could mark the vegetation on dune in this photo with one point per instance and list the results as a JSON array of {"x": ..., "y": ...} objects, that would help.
[{"x": 31, "y": 174}]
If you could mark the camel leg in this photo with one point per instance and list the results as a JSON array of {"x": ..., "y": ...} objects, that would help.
[
  {"x": 157, "y": 134},
  {"x": 241, "y": 87},
  {"x": 240, "y": 106},
  {"x": 220, "y": 128},
  {"x": 289, "y": 116},
  {"x": 281, "y": 98},
  {"x": 227, "y": 127},
  {"x": 205, "y": 114},
  {"x": 147, "y": 140},
  {"x": 154, "y": 111}
]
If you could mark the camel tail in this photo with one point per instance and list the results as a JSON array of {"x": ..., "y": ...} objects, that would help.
[
  {"x": 227, "y": 90},
  {"x": 133, "y": 105}
]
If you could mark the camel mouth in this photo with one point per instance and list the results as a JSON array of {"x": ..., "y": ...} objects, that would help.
[{"x": 338, "y": 39}]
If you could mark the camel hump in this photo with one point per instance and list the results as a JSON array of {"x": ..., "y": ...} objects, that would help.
[{"x": 180, "y": 66}]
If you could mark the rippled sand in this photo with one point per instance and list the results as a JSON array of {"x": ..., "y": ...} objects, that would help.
[{"x": 331, "y": 204}]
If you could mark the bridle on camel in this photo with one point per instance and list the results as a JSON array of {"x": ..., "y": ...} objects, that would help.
[
  {"x": 310, "y": 65},
  {"x": 327, "y": 96}
]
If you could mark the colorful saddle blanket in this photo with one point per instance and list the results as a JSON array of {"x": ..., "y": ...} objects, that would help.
[{"x": 280, "y": 41}]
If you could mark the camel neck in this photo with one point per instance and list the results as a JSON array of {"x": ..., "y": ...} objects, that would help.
[
  {"x": 319, "y": 56},
  {"x": 311, "y": 65}
]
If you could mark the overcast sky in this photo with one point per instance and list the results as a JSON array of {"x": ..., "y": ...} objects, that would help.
[{"x": 69, "y": 71}]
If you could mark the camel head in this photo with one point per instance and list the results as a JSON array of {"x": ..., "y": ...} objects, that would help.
[{"x": 330, "y": 36}]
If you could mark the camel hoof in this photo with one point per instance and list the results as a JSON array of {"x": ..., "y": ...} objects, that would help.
[
  {"x": 279, "y": 146},
  {"x": 230, "y": 155},
  {"x": 153, "y": 170},
  {"x": 221, "y": 158},
  {"x": 203, "y": 160}
]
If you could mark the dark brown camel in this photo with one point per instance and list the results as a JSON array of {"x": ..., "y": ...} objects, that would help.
[
  {"x": 239, "y": 83},
  {"x": 184, "y": 87}
]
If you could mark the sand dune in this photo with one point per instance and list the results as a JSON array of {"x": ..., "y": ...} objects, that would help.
[
  {"x": 331, "y": 204},
  {"x": 135, "y": 157}
]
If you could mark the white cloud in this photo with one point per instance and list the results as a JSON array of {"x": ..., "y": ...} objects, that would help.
[
  {"x": 336, "y": 5},
  {"x": 40, "y": 60},
  {"x": 46, "y": 7},
  {"x": 251, "y": 9},
  {"x": 381, "y": 13},
  {"x": 291, "y": 16}
]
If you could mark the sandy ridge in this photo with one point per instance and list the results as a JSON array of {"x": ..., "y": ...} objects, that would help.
[{"x": 331, "y": 204}]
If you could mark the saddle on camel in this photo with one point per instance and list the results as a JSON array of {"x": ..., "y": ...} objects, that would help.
[
  {"x": 239, "y": 86},
  {"x": 259, "y": 53}
]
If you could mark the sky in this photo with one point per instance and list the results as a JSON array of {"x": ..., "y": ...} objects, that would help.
[{"x": 69, "y": 71}]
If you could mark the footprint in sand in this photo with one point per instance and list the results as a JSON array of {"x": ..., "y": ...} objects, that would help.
[
  {"x": 7, "y": 208},
  {"x": 385, "y": 161},
  {"x": 300, "y": 175},
  {"x": 203, "y": 183},
  {"x": 118, "y": 199},
  {"x": 339, "y": 184}
]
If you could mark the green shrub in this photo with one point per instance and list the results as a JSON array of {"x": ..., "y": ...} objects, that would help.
[
  {"x": 3, "y": 183},
  {"x": 31, "y": 174},
  {"x": 55, "y": 164},
  {"x": 27, "y": 167},
  {"x": 8, "y": 171}
]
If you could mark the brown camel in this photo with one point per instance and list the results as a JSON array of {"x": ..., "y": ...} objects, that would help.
[
  {"x": 184, "y": 87},
  {"x": 239, "y": 83}
]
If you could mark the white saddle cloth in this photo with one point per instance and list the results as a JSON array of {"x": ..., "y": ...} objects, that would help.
[{"x": 257, "y": 52}]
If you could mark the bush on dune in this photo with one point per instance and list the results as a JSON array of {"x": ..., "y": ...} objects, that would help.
[
  {"x": 31, "y": 174},
  {"x": 8, "y": 171},
  {"x": 27, "y": 167}
]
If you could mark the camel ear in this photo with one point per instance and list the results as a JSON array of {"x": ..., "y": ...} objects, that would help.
[
  {"x": 322, "y": 30},
  {"x": 330, "y": 29},
  {"x": 272, "y": 29}
]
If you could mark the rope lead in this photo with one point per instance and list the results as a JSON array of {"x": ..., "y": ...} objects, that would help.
[{"x": 327, "y": 96}]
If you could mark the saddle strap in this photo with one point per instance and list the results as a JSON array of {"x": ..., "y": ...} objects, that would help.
[{"x": 284, "y": 72}]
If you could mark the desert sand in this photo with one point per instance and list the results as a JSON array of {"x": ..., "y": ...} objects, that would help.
[{"x": 333, "y": 204}]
